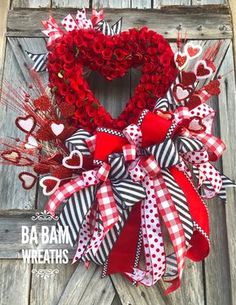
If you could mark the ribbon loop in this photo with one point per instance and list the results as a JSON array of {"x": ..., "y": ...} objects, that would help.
[{"x": 165, "y": 154}]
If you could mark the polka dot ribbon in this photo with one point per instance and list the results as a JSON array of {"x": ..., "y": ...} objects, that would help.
[{"x": 53, "y": 31}]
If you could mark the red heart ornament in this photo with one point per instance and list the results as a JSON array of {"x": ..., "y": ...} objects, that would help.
[
  {"x": 181, "y": 60},
  {"x": 196, "y": 125},
  {"x": 181, "y": 92},
  {"x": 213, "y": 87},
  {"x": 74, "y": 160},
  {"x": 49, "y": 184},
  {"x": 26, "y": 124},
  {"x": 193, "y": 51},
  {"x": 188, "y": 78},
  {"x": 28, "y": 180},
  {"x": 203, "y": 70},
  {"x": 112, "y": 57},
  {"x": 194, "y": 101},
  {"x": 12, "y": 156}
]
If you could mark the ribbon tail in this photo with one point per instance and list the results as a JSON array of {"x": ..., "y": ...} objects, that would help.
[
  {"x": 75, "y": 210},
  {"x": 200, "y": 240},
  {"x": 174, "y": 226},
  {"x": 152, "y": 240}
]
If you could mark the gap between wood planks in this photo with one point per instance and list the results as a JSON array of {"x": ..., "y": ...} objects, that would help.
[{"x": 207, "y": 22}]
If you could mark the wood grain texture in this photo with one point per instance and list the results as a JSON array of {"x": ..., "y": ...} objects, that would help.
[
  {"x": 30, "y": 3},
  {"x": 82, "y": 283},
  {"x": 10, "y": 234},
  {"x": 49, "y": 291},
  {"x": 190, "y": 292},
  {"x": 141, "y": 4},
  {"x": 200, "y": 22},
  {"x": 110, "y": 4},
  {"x": 232, "y": 5},
  {"x": 4, "y": 6},
  {"x": 160, "y": 3},
  {"x": 70, "y": 3},
  {"x": 227, "y": 114},
  {"x": 14, "y": 282}
]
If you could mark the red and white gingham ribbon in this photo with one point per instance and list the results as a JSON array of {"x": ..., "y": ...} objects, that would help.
[
  {"x": 52, "y": 29},
  {"x": 174, "y": 226}
]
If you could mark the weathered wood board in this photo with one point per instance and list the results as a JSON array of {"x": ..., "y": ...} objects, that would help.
[{"x": 212, "y": 282}]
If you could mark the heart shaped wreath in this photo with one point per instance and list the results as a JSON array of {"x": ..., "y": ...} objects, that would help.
[{"x": 123, "y": 179}]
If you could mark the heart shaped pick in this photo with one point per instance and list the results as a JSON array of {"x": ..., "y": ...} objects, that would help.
[
  {"x": 57, "y": 129},
  {"x": 193, "y": 51},
  {"x": 188, "y": 78},
  {"x": 74, "y": 160},
  {"x": 12, "y": 156},
  {"x": 202, "y": 70},
  {"x": 31, "y": 143},
  {"x": 49, "y": 184},
  {"x": 196, "y": 125},
  {"x": 181, "y": 60},
  {"x": 28, "y": 180},
  {"x": 181, "y": 92},
  {"x": 26, "y": 124}
]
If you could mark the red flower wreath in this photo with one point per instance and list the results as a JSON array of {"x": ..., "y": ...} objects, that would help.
[{"x": 112, "y": 56}]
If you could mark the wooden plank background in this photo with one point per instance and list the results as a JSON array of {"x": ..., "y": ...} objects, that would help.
[{"x": 212, "y": 282}]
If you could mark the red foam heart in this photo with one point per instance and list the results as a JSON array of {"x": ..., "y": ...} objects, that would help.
[
  {"x": 213, "y": 87},
  {"x": 194, "y": 101},
  {"x": 112, "y": 56},
  {"x": 74, "y": 160},
  {"x": 193, "y": 51},
  {"x": 181, "y": 60},
  {"x": 28, "y": 180},
  {"x": 181, "y": 93},
  {"x": 49, "y": 184},
  {"x": 26, "y": 124},
  {"x": 203, "y": 70},
  {"x": 188, "y": 78}
]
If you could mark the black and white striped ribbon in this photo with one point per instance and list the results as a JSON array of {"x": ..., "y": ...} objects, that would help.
[
  {"x": 40, "y": 61},
  {"x": 166, "y": 153},
  {"x": 106, "y": 29},
  {"x": 75, "y": 210},
  {"x": 185, "y": 145},
  {"x": 77, "y": 142}
]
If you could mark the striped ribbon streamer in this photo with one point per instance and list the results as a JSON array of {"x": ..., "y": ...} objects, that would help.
[{"x": 40, "y": 61}]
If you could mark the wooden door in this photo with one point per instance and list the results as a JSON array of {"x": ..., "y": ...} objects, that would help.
[{"x": 212, "y": 282}]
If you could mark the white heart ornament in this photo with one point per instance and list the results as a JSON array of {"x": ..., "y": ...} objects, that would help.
[
  {"x": 31, "y": 143},
  {"x": 44, "y": 186},
  {"x": 26, "y": 124},
  {"x": 57, "y": 129},
  {"x": 181, "y": 93},
  {"x": 28, "y": 180},
  {"x": 74, "y": 153}
]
